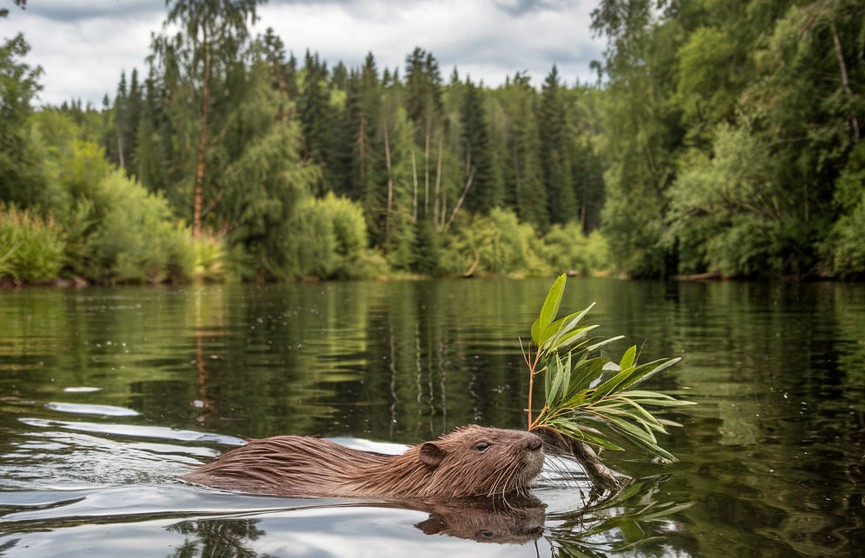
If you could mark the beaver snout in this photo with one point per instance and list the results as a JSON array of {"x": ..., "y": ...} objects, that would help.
[{"x": 535, "y": 443}]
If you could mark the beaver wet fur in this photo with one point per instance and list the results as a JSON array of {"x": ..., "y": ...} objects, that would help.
[{"x": 470, "y": 461}]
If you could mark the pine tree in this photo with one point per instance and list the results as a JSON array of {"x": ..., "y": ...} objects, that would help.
[
  {"x": 553, "y": 125},
  {"x": 523, "y": 174},
  {"x": 487, "y": 190},
  {"x": 316, "y": 114},
  {"x": 423, "y": 102}
]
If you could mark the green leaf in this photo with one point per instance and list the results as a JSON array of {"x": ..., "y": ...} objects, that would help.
[
  {"x": 628, "y": 358},
  {"x": 600, "y": 344},
  {"x": 632, "y": 431},
  {"x": 558, "y": 378},
  {"x": 572, "y": 337},
  {"x": 655, "y": 367},
  {"x": 588, "y": 398},
  {"x": 572, "y": 321},
  {"x": 582, "y": 376},
  {"x": 572, "y": 430},
  {"x": 536, "y": 331},
  {"x": 655, "y": 398},
  {"x": 549, "y": 309},
  {"x": 632, "y": 376}
]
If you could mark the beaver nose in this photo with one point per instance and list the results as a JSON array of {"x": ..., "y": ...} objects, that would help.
[{"x": 535, "y": 443}]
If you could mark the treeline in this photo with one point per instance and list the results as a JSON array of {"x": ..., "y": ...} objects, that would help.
[
  {"x": 721, "y": 138},
  {"x": 288, "y": 168},
  {"x": 732, "y": 134}
]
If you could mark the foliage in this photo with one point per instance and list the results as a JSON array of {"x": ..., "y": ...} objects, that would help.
[
  {"x": 588, "y": 397},
  {"x": 209, "y": 254},
  {"x": 137, "y": 241},
  {"x": 721, "y": 136},
  {"x": 567, "y": 249},
  {"x": 31, "y": 248},
  {"x": 722, "y": 215},
  {"x": 498, "y": 242},
  {"x": 329, "y": 240},
  {"x": 844, "y": 249},
  {"x": 733, "y": 123},
  {"x": 20, "y": 179}
]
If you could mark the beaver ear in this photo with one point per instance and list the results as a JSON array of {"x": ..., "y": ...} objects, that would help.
[{"x": 431, "y": 455}]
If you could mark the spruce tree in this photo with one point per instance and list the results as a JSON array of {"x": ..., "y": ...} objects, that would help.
[
  {"x": 553, "y": 125},
  {"x": 487, "y": 190},
  {"x": 522, "y": 169},
  {"x": 316, "y": 113}
]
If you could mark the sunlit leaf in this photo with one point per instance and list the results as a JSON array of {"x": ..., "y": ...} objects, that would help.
[
  {"x": 572, "y": 321},
  {"x": 628, "y": 358},
  {"x": 587, "y": 394},
  {"x": 549, "y": 309}
]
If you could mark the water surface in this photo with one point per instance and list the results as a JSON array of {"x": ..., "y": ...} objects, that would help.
[{"x": 108, "y": 395}]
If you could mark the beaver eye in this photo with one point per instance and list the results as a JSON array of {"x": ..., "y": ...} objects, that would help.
[
  {"x": 485, "y": 534},
  {"x": 482, "y": 446}
]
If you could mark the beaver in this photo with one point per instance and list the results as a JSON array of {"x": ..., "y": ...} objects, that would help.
[{"x": 471, "y": 461}]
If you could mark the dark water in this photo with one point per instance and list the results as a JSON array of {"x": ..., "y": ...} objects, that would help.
[{"x": 106, "y": 396}]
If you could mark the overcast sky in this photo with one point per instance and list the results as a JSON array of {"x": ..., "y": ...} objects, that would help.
[{"x": 82, "y": 45}]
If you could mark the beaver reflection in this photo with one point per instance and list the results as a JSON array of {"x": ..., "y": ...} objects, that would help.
[{"x": 517, "y": 520}]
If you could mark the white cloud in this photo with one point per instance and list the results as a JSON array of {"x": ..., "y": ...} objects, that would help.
[
  {"x": 83, "y": 47},
  {"x": 83, "y": 51}
]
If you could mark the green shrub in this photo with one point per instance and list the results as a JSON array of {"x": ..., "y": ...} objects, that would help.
[
  {"x": 137, "y": 240},
  {"x": 567, "y": 249},
  {"x": 31, "y": 249},
  {"x": 400, "y": 246},
  {"x": 209, "y": 251},
  {"x": 328, "y": 240},
  {"x": 499, "y": 243},
  {"x": 844, "y": 250}
]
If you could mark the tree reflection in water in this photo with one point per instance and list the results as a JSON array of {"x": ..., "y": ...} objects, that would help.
[{"x": 217, "y": 538}]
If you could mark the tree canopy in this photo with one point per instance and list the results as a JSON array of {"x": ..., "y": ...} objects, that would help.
[{"x": 721, "y": 138}]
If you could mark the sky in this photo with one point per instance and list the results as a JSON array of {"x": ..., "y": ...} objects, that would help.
[{"x": 83, "y": 45}]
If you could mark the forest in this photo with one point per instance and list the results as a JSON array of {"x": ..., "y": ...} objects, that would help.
[{"x": 720, "y": 139}]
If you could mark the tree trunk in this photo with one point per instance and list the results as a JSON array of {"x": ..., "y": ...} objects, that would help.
[
  {"x": 462, "y": 198},
  {"x": 845, "y": 80},
  {"x": 361, "y": 141},
  {"x": 426, "y": 170},
  {"x": 437, "y": 194},
  {"x": 198, "y": 195},
  {"x": 389, "y": 184},
  {"x": 120, "y": 149},
  {"x": 414, "y": 181}
]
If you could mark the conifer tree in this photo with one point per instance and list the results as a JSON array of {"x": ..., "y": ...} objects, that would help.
[
  {"x": 553, "y": 124},
  {"x": 316, "y": 114},
  {"x": 423, "y": 102},
  {"x": 522, "y": 172},
  {"x": 487, "y": 190}
]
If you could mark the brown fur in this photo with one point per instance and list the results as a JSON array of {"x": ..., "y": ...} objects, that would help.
[{"x": 457, "y": 465}]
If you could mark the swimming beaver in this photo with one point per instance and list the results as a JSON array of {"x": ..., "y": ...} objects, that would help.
[{"x": 470, "y": 461}]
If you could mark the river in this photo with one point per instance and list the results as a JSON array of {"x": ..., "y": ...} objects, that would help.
[{"x": 108, "y": 395}]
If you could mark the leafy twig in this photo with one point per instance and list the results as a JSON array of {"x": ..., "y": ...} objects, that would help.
[{"x": 589, "y": 399}]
